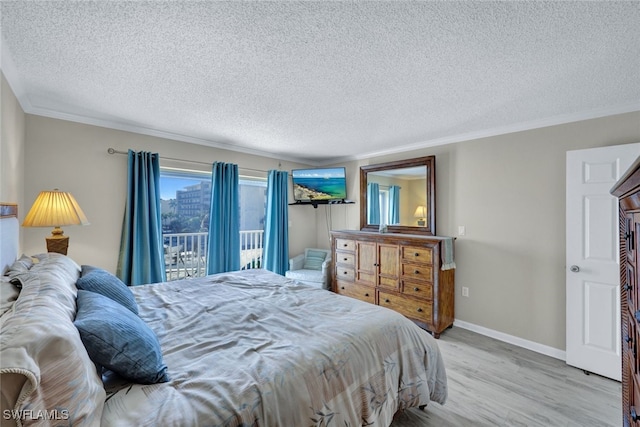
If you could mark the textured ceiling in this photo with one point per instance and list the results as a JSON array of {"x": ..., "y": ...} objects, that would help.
[{"x": 322, "y": 81}]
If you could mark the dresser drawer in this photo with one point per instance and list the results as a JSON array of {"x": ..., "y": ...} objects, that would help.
[
  {"x": 422, "y": 290},
  {"x": 417, "y": 272},
  {"x": 345, "y": 245},
  {"x": 417, "y": 254},
  {"x": 363, "y": 293},
  {"x": 411, "y": 307},
  {"x": 346, "y": 259},
  {"x": 345, "y": 273}
]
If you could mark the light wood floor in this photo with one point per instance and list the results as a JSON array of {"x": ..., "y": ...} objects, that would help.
[{"x": 492, "y": 383}]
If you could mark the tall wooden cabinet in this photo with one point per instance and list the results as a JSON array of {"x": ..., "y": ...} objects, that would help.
[
  {"x": 398, "y": 271},
  {"x": 628, "y": 192}
]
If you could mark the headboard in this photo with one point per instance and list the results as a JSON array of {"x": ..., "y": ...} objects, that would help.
[{"x": 9, "y": 235}]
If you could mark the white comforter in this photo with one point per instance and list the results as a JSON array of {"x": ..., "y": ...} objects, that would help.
[{"x": 256, "y": 349}]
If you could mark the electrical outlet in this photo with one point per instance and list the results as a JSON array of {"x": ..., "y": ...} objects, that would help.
[
  {"x": 461, "y": 230},
  {"x": 465, "y": 291}
]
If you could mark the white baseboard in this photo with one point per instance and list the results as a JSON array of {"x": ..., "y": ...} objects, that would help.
[{"x": 520, "y": 342}]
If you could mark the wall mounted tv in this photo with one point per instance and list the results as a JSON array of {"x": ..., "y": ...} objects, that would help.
[{"x": 312, "y": 185}]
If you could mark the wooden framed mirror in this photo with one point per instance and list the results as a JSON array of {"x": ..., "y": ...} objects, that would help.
[{"x": 406, "y": 196}]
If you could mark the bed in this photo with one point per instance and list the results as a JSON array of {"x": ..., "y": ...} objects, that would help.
[{"x": 247, "y": 348}]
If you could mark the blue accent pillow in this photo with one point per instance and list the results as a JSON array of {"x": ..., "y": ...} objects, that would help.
[
  {"x": 119, "y": 340},
  {"x": 86, "y": 269},
  {"x": 101, "y": 281}
]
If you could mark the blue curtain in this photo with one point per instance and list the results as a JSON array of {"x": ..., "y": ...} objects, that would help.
[
  {"x": 394, "y": 204},
  {"x": 224, "y": 219},
  {"x": 141, "y": 258},
  {"x": 276, "y": 224},
  {"x": 373, "y": 203}
]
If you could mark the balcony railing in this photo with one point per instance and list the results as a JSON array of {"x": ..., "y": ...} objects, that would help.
[{"x": 185, "y": 254}]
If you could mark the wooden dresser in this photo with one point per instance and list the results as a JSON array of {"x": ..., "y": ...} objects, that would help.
[
  {"x": 628, "y": 192},
  {"x": 398, "y": 271}
]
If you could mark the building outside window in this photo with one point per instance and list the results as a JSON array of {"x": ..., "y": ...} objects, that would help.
[{"x": 185, "y": 198}]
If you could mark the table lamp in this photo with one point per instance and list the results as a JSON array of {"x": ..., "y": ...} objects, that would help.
[
  {"x": 55, "y": 209},
  {"x": 421, "y": 214}
]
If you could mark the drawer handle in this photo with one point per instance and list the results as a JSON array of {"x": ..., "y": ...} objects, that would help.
[
  {"x": 341, "y": 287},
  {"x": 345, "y": 272},
  {"x": 634, "y": 414},
  {"x": 387, "y": 300},
  {"x": 416, "y": 271},
  {"x": 419, "y": 310},
  {"x": 366, "y": 295},
  {"x": 344, "y": 259},
  {"x": 416, "y": 254},
  {"x": 345, "y": 245},
  {"x": 628, "y": 287}
]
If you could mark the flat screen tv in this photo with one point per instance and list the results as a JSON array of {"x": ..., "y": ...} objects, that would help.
[{"x": 310, "y": 185}]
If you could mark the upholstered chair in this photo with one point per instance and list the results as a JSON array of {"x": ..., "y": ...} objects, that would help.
[{"x": 313, "y": 267}]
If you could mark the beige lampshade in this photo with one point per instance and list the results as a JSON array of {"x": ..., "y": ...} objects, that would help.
[
  {"x": 421, "y": 212},
  {"x": 55, "y": 209}
]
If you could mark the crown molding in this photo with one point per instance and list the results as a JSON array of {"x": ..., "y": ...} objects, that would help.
[
  {"x": 15, "y": 82},
  {"x": 142, "y": 130},
  {"x": 501, "y": 130}
]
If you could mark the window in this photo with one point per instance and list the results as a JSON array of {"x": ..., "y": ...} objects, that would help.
[
  {"x": 384, "y": 206},
  {"x": 253, "y": 203},
  {"x": 185, "y": 198}
]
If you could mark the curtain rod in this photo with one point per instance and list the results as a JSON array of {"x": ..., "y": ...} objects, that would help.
[{"x": 114, "y": 151}]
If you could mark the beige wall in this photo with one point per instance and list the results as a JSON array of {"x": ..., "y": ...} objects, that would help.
[
  {"x": 509, "y": 193},
  {"x": 73, "y": 157},
  {"x": 12, "y": 143}
]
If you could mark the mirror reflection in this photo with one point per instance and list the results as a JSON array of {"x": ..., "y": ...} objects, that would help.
[{"x": 397, "y": 197}]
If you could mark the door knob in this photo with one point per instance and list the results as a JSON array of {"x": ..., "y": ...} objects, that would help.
[{"x": 574, "y": 268}]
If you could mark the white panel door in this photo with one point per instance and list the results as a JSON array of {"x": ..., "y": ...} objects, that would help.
[{"x": 593, "y": 265}]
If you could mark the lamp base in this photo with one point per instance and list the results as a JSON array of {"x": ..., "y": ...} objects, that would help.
[
  {"x": 421, "y": 223},
  {"x": 57, "y": 242}
]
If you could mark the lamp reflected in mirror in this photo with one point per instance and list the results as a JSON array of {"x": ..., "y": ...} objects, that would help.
[{"x": 421, "y": 215}]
